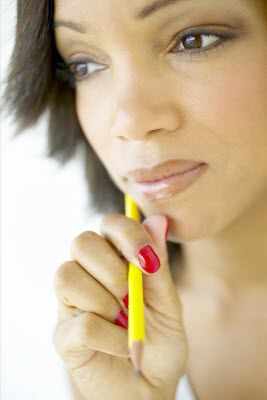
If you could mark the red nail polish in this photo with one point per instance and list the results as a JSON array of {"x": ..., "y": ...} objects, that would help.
[
  {"x": 125, "y": 300},
  {"x": 122, "y": 320},
  {"x": 167, "y": 230},
  {"x": 148, "y": 259}
]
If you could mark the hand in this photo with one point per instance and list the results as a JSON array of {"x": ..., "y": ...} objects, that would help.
[{"x": 91, "y": 289}]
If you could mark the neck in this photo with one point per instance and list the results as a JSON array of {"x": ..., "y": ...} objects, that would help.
[{"x": 233, "y": 261}]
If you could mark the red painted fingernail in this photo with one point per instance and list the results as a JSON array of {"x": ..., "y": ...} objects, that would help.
[
  {"x": 122, "y": 320},
  {"x": 125, "y": 300},
  {"x": 167, "y": 230},
  {"x": 148, "y": 259}
]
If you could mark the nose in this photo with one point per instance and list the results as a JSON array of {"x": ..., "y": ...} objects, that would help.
[{"x": 143, "y": 106}]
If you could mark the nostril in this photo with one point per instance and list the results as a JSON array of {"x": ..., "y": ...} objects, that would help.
[{"x": 122, "y": 138}]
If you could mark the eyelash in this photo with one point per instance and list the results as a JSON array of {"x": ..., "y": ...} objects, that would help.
[{"x": 64, "y": 68}]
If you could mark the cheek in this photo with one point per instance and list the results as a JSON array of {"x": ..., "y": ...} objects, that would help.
[
  {"x": 237, "y": 102},
  {"x": 93, "y": 124},
  {"x": 228, "y": 110},
  {"x": 235, "y": 105},
  {"x": 231, "y": 106}
]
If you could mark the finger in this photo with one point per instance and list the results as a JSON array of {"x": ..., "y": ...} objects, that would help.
[
  {"x": 129, "y": 236},
  {"x": 78, "y": 339},
  {"x": 157, "y": 227},
  {"x": 65, "y": 312},
  {"x": 132, "y": 239},
  {"x": 159, "y": 289},
  {"x": 75, "y": 287},
  {"x": 99, "y": 259}
]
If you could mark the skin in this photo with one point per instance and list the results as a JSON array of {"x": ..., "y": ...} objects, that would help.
[
  {"x": 209, "y": 107},
  {"x": 90, "y": 289}
]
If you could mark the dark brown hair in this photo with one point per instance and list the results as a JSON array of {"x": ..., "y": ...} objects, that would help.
[{"x": 37, "y": 82}]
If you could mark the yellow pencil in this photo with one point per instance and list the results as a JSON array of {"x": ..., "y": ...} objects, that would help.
[{"x": 136, "y": 320}]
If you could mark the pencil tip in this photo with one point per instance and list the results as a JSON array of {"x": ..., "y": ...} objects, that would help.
[
  {"x": 137, "y": 373},
  {"x": 136, "y": 354}
]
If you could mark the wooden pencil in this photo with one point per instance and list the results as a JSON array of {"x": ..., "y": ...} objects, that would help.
[{"x": 136, "y": 320}]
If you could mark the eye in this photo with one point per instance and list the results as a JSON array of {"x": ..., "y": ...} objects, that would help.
[
  {"x": 81, "y": 69},
  {"x": 78, "y": 70},
  {"x": 197, "y": 42},
  {"x": 84, "y": 68},
  {"x": 200, "y": 42},
  {"x": 192, "y": 42}
]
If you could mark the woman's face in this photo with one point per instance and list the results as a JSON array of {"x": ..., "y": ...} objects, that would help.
[{"x": 144, "y": 100}]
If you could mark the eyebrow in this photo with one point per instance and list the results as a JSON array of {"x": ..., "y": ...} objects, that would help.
[
  {"x": 140, "y": 15},
  {"x": 158, "y": 5}
]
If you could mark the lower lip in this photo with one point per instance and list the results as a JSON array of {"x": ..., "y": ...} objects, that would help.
[{"x": 163, "y": 188}]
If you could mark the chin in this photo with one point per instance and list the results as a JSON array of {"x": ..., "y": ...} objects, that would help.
[{"x": 187, "y": 229}]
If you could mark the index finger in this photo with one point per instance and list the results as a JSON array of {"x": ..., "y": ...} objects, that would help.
[
  {"x": 99, "y": 259},
  {"x": 132, "y": 240}
]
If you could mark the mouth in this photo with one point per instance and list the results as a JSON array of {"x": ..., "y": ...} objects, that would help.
[{"x": 166, "y": 179}]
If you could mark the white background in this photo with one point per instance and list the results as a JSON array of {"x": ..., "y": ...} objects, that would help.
[{"x": 43, "y": 207}]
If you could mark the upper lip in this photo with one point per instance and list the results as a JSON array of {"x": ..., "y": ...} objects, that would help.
[{"x": 162, "y": 170}]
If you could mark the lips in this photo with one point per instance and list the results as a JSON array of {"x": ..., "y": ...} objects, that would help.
[
  {"x": 161, "y": 171},
  {"x": 166, "y": 179}
]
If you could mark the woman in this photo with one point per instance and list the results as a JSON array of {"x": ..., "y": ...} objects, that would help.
[{"x": 151, "y": 90}]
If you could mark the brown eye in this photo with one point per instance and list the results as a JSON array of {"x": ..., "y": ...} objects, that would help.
[
  {"x": 84, "y": 69},
  {"x": 78, "y": 70},
  {"x": 200, "y": 41},
  {"x": 192, "y": 42},
  {"x": 195, "y": 43}
]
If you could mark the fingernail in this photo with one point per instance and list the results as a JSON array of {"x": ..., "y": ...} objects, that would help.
[
  {"x": 125, "y": 300},
  {"x": 122, "y": 320},
  {"x": 167, "y": 230},
  {"x": 148, "y": 259}
]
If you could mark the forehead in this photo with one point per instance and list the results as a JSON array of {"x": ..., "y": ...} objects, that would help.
[
  {"x": 140, "y": 9},
  {"x": 133, "y": 11},
  {"x": 92, "y": 7},
  {"x": 104, "y": 14},
  {"x": 137, "y": 9},
  {"x": 109, "y": 17}
]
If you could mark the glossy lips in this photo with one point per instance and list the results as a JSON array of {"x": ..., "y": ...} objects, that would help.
[
  {"x": 162, "y": 170},
  {"x": 167, "y": 178}
]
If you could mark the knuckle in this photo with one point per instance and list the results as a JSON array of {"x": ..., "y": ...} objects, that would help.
[
  {"x": 135, "y": 235},
  {"x": 83, "y": 241},
  {"x": 109, "y": 219},
  {"x": 64, "y": 276},
  {"x": 87, "y": 326},
  {"x": 119, "y": 282}
]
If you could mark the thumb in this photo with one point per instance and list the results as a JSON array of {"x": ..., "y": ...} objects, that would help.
[
  {"x": 159, "y": 289},
  {"x": 157, "y": 226}
]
